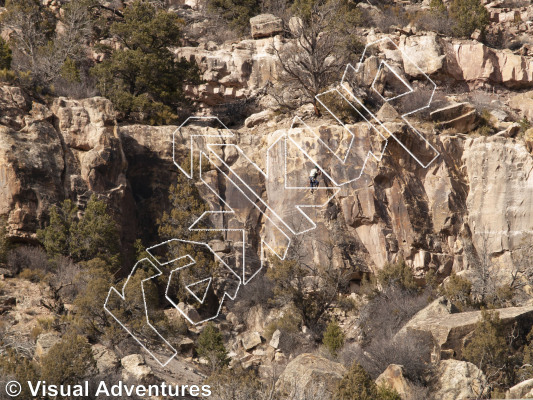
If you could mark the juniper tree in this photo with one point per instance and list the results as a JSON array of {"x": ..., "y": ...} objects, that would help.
[
  {"x": 210, "y": 345},
  {"x": 333, "y": 337},
  {"x": 142, "y": 78},
  {"x": 6, "y": 55}
]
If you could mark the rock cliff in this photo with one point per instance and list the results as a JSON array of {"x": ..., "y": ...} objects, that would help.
[{"x": 430, "y": 217}]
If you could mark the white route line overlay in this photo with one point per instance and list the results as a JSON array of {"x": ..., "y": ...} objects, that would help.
[
  {"x": 122, "y": 296},
  {"x": 286, "y": 136}
]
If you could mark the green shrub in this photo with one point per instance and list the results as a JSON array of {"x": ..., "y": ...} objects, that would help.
[
  {"x": 32, "y": 275},
  {"x": 488, "y": 349},
  {"x": 468, "y": 16},
  {"x": 333, "y": 338},
  {"x": 70, "y": 71},
  {"x": 312, "y": 291},
  {"x": 21, "y": 369},
  {"x": 488, "y": 339},
  {"x": 524, "y": 125},
  {"x": 528, "y": 350},
  {"x": 143, "y": 79},
  {"x": 385, "y": 392},
  {"x": 90, "y": 316},
  {"x": 289, "y": 323},
  {"x": 437, "y": 6},
  {"x": 5, "y": 55},
  {"x": 4, "y": 243},
  {"x": 458, "y": 291},
  {"x": 210, "y": 345},
  {"x": 527, "y": 372},
  {"x": 44, "y": 324},
  {"x": 68, "y": 361},
  {"x": 186, "y": 205},
  {"x": 399, "y": 275},
  {"x": 236, "y": 12},
  {"x": 56, "y": 236},
  {"x": 357, "y": 384},
  {"x": 95, "y": 235}
]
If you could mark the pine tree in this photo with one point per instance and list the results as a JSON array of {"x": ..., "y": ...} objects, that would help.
[
  {"x": 143, "y": 80},
  {"x": 210, "y": 345},
  {"x": 385, "y": 392},
  {"x": 356, "y": 385},
  {"x": 56, "y": 236},
  {"x": 67, "y": 361},
  {"x": 399, "y": 275},
  {"x": 488, "y": 345},
  {"x": 333, "y": 337},
  {"x": 458, "y": 290},
  {"x": 489, "y": 351},
  {"x": 95, "y": 235},
  {"x": 186, "y": 207},
  {"x": 468, "y": 15},
  {"x": 91, "y": 318},
  {"x": 236, "y": 12},
  {"x": 4, "y": 243},
  {"x": 5, "y": 55}
]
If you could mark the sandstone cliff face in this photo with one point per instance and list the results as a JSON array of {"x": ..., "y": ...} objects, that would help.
[
  {"x": 429, "y": 216},
  {"x": 477, "y": 188},
  {"x": 236, "y": 71},
  {"x": 231, "y": 72},
  {"x": 68, "y": 151}
]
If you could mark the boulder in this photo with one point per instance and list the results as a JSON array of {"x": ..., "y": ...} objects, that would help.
[
  {"x": 233, "y": 71},
  {"x": 458, "y": 380},
  {"x": 266, "y": 25},
  {"x": 255, "y": 318},
  {"x": 309, "y": 376},
  {"x": 421, "y": 55},
  {"x": 258, "y": 118},
  {"x": 186, "y": 346},
  {"x": 219, "y": 246},
  {"x": 524, "y": 390},
  {"x": 523, "y": 102},
  {"x": 232, "y": 318},
  {"x": 295, "y": 25},
  {"x": 280, "y": 357},
  {"x": 387, "y": 113},
  {"x": 475, "y": 63},
  {"x": 449, "y": 330},
  {"x": 511, "y": 131},
  {"x": 251, "y": 340},
  {"x": 135, "y": 368},
  {"x": 106, "y": 359},
  {"x": 82, "y": 122},
  {"x": 45, "y": 342},
  {"x": 498, "y": 115},
  {"x": 394, "y": 377},
  {"x": 459, "y": 117},
  {"x": 274, "y": 342}
]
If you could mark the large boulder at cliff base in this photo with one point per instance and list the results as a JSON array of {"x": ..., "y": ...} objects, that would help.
[
  {"x": 265, "y": 25},
  {"x": 310, "y": 375}
]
